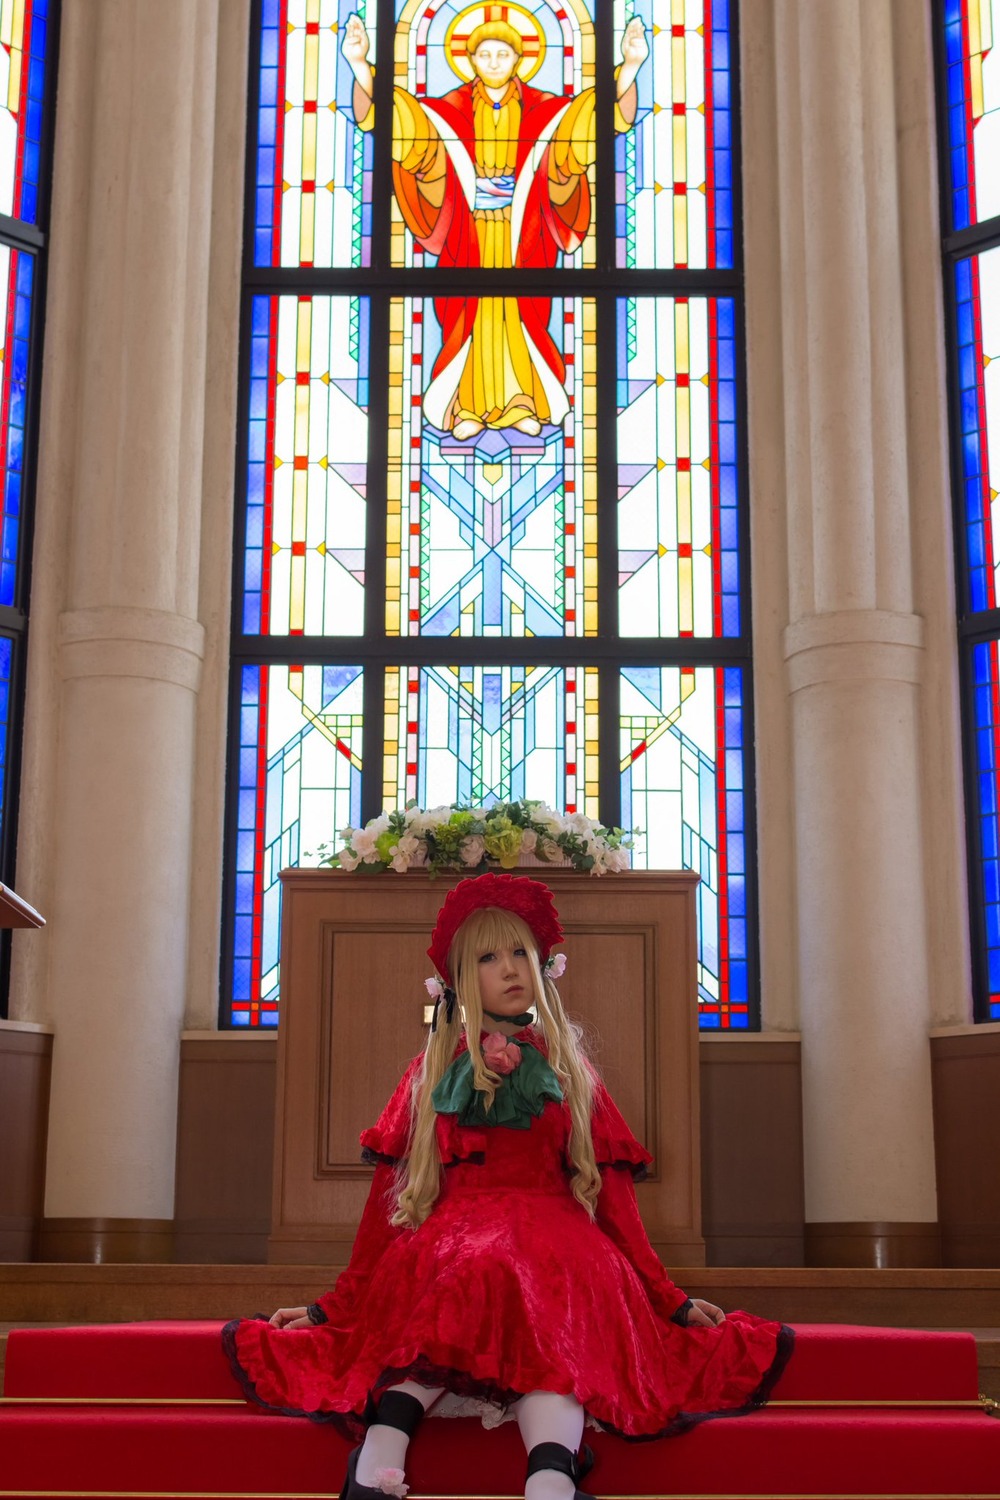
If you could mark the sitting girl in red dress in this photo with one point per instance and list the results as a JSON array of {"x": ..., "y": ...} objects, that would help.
[{"x": 501, "y": 1266}]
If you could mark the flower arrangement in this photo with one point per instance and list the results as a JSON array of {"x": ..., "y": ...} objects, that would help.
[{"x": 479, "y": 838}]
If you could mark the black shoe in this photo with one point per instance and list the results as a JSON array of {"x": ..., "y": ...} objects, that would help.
[
  {"x": 352, "y": 1489},
  {"x": 563, "y": 1461},
  {"x": 393, "y": 1409}
]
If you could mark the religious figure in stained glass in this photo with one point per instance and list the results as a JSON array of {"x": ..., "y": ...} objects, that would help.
[{"x": 493, "y": 175}]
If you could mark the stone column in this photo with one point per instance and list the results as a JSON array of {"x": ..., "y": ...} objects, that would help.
[
  {"x": 853, "y": 645},
  {"x": 119, "y": 646}
]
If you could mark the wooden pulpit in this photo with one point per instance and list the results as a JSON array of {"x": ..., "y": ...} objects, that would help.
[{"x": 353, "y": 962}]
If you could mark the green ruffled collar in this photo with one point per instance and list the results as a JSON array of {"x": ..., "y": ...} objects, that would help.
[{"x": 520, "y": 1097}]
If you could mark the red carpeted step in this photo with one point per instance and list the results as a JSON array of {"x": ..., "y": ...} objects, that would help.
[
  {"x": 831, "y": 1362},
  {"x": 836, "y": 1362},
  {"x": 119, "y": 1359},
  {"x": 197, "y": 1451}
]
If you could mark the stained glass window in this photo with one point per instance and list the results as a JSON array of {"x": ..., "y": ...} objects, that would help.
[
  {"x": 313, "y": 177},
  {"x": 483, "y": 734},
  {"x": 674, "y": 168},
  {"x": 24, "y": 37},
  {"x": 508, "y": 486},
  {"x": 985, "y": 672},
  {"x": 299, "y": 781},
  {"x": 306, "y": 466},
  {"x": 6, "y": 662},
  {"x": 678, "y": 532},
  {"x": 27, "y": 32},
  {"x": 683, "y": 783},
  {"x": 17, "y": 271},
  {"x": 972, "y": 106},
  {"x": 977, "y": 301},
  {"x": 496, "y": 533},
  {"x": 969, "y": 75}
]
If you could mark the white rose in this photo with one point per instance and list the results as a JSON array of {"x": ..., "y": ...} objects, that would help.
[
  {"x": 529, "y": 839},
  {"x": 347, "y": 860}
]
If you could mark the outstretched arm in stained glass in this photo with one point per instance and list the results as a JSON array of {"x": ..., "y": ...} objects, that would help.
[{"x": 494, "y": 175}]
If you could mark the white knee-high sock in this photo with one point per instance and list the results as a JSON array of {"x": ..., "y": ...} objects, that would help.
[
  {"x": 383, "y": 1455},
  {"x": 545, "y": 1417}
]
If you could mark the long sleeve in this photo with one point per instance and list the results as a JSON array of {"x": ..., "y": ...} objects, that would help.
[
  {"x": 622, "y": 1158},
  {"x": 618, "y": 1216},
  {"x": 385, "y": 1143},
  {"x": 375, "y": 1235}
]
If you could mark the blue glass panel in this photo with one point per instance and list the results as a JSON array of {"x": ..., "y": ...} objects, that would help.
[
  {"x": 299, "y": 783},
  {"x": 682, "y": 781},
  {"x": 17, "y": 270},
  {"x": 986, "y": 713}
]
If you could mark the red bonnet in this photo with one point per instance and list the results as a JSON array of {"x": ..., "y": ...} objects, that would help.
[{"x": 531, "y": 900}]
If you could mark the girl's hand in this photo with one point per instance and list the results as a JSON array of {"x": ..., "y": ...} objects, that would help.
[
  {"x": 290, "y": 1317},
  {"x": 705, "y": 1314}
]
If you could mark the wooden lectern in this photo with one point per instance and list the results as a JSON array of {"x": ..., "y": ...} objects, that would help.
[{"x": 353, "y": 961}]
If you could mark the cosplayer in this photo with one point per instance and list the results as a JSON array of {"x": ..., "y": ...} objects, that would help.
[{"x": 501, "y": 1267}]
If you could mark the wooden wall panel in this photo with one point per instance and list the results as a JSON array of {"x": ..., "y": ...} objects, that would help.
[
  {"x": 225, "y": 1144},
  {"x": 966, "y": 1081},
  {"x": 25, "y": 1069},
  {"x": 751, "y": 1139},
  {"x": 751, "y": 1135}
]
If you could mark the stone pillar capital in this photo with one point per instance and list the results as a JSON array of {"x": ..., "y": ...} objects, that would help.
[
  {"x": 116, "y": 641},
  {"x": 857, "y": 644}
]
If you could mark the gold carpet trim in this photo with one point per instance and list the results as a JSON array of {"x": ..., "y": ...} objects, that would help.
[
  {"x": 324, "y": 1495},
  {"x": 982, "y": 1403}
]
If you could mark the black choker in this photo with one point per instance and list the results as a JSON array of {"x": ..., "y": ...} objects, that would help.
[{"x": 525, "y": 1019}]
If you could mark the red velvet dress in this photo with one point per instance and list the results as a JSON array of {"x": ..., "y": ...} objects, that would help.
[{"x": 508, "y": 1287}]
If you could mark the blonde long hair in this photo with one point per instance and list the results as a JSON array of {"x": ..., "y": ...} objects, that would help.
[{"x": 485, "y": 931}]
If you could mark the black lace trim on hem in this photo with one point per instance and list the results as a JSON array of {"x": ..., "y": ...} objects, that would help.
[
  {"x": 461, "y": 1383},
  {"x": 349, "y": 1424}
]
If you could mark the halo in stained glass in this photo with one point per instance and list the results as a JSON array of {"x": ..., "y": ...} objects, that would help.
[
  {"x": 306, "y": 466},
  {"x": 17, "y": 273},
  {"x": 683, "y": 786},
  {"x": 24, "y": 34},
  {"x": 313, "y": 181},
  {"x": 972, "y": 63},
  {"x": 678, "y": 532},
  {"x": 491, "y": 183},
  {"x": 492, "y": 530},
  {"x": 674, "y": 167},
  {"x": 299, "y": 783},
  {"x": 977, "y": 295},
  {"x": 485, "y": 734}
]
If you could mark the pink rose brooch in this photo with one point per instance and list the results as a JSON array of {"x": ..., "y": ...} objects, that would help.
[{"x": 500, "y": 1054}]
